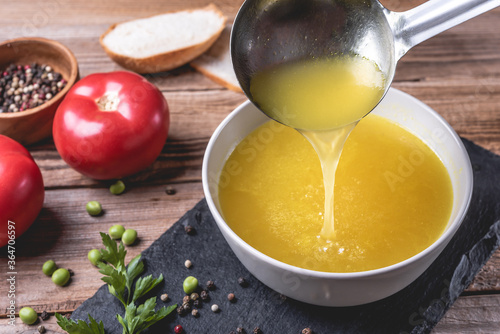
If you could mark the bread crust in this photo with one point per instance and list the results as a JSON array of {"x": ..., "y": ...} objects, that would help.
[
  {"x": 168, "y": 60},
  {"x": 217, "y": 79},
  {"x": 216, "y": 63}
]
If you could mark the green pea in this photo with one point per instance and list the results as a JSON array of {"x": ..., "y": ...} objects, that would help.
[
  {"x": 49, "y": 267},
  {"x": 190, "y": 284},
  {"x": 94, "y": 208},
  {"x": 117, "y": 188},
  {"x": 116, "y": 231},
  {"x": 129, "y": 236},
  {"x": 94, "y": 256},
  {"x": 60, "y": 276},
  {"x": 28, "y": 315}
]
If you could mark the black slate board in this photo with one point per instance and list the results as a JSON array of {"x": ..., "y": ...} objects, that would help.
[{"x": 415, "y": 309}]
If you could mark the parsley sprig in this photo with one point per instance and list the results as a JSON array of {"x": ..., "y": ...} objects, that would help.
[
  {"x": 120, "y": 279},
  {"x": 81, "y": 326}
]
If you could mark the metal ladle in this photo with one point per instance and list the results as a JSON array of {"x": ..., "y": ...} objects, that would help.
[{"x": 267, "y": 33}]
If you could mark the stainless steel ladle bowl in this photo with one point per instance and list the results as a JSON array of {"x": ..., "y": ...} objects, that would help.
[{"x": 267, "y": 33}]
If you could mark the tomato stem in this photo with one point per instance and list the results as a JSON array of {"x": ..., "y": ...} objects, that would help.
[{"x": 108, "y": 102}]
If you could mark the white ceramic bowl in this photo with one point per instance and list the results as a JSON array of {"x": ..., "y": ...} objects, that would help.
[{"x": 343, "y": 289}]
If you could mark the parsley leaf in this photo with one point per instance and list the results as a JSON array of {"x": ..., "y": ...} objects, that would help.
[
  {"x": 80, "y": 327},
  {"x": 115, "y": 279},
  {"x": 113, "y": 254},
  {"x": 139, "y": 318},
  {"x": 144, "y": 285},
  {"x": 135, "y": 267}
]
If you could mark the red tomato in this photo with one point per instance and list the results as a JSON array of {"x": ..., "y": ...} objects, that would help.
[
  {"x": 21, "y": 190},
  {"x": 111, "y": 125}
]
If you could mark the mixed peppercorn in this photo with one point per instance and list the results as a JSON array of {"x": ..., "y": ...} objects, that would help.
[{"x": 29, "y": 86}]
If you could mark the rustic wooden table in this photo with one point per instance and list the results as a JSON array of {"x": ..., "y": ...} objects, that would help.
[{"x": 457, "y": 73}]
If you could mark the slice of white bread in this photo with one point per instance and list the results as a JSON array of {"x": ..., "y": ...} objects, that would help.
[
  {"x": 216, "y": 63},
  {"x": 163, "y": 42}
]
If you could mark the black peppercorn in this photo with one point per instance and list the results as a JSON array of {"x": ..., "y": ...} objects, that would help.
[
  {"x": 197, "y": 303},
  {"x": 210, "y": 285},
  {"x": 204, "y": 295},
  {"x": 242, "y": 282},
  {"x": 257, "y": 330},
  {"x": 170, "y": 191},
  {"x": 240, "y": 330},
  {"x": 181, "y": 311},
  {"x": 190, "y": 230},
  {"x": 45, "y": 315}
]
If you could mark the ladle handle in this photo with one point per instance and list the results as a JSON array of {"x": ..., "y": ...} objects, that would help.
[{"x": 431, "y": 18}]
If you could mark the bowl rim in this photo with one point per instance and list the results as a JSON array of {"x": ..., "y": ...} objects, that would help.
[
  {"x": 71, "y": 79},
  {"x": 443, "y": 239}
]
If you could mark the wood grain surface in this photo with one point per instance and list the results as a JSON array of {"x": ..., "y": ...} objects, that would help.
[{"x": 457, "y": 73}]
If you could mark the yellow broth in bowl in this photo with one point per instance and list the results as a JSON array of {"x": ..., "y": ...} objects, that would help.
[{"x": 393, "y": 197}]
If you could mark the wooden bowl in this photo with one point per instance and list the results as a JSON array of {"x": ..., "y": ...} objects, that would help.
[{"x": 32, "y": 125}]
